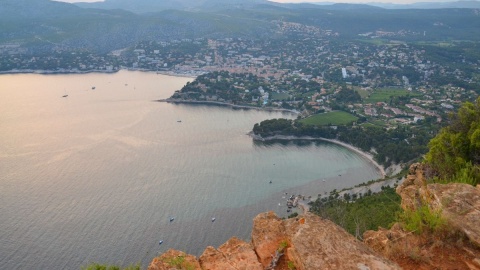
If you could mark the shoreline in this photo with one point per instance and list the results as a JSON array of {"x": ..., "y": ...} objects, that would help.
[
  {"x": 224, "y": 104},
  {"x": 101, "y": 71},
  {"x": 52, "y": 72},
  {"x": 363, "y": 154}
]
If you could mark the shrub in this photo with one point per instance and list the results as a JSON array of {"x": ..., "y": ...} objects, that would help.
[
  {"x": 179, "y": 263},
  {"x": 423, "y": 219},
  {"x": 97, "y": 266}
]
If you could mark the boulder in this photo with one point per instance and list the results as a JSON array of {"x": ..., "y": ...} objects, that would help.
[
  {"x": 235, "y": 254},
  {"x": 317, "y": 243},
  {"x": 174, "y": 259}
]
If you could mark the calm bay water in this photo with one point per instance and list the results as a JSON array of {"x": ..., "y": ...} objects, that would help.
[{"x": 95, "y": 176}]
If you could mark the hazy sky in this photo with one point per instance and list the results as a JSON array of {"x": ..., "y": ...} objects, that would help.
[
  {"x": 74, "y": 1},
  {"x": 304, "y": 1},
  {"x": 362, "y": 1}
]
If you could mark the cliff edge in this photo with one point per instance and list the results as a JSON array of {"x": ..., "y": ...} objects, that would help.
[
  {"x": 306, "y": 243},
  {"x": 309, "y": 242},
  {"x": 453, "y": 245}
]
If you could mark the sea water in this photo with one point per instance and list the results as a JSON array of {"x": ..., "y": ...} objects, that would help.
[{"x": 97, "y": 175}]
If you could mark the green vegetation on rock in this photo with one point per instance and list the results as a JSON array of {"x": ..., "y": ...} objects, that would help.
[
  {"x": 356, "y": 213},
  {"x": 454, "y": 154},
  {"x": 97, "y": 266},
  {"x": 423, "y": 219}
]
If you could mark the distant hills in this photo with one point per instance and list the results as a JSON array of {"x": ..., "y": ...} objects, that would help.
[
  {"x": 429, "y": 5},
  {"x": 41, "y": 25},
  {"x": 146, "y": 6}
]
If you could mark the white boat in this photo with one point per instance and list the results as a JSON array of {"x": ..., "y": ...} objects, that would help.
[
  {"x": 161, "y": 242},
  {"x": 213, "y": 219}
]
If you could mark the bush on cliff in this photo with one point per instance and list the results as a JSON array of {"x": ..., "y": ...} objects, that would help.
[
  {"x": 422, "y": 219},
  {"x": 454, "y": 154},
  {"x": 96, "y": 266},
  {"x": 357, "y": 214}
]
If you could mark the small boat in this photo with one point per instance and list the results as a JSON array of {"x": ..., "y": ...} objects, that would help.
[
  {"x": 93, "y": 87},
  {"x": 172, "y": 219},
  {"x": 179, "y": 121},
  {"x": 213, "y": 219},
  {"x": 65, "y": 95},
  {"x": 161, "y": 242},
  {"x": 270, "y": 182}
]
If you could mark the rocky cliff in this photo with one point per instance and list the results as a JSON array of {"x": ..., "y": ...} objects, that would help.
[
  {"x": 306, "y": 243},
  {"x": 309, "y": 242},
  {"x": 454, "y": 245}
]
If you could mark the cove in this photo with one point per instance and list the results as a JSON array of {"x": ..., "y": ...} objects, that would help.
[{"x": 96, "y": 176}]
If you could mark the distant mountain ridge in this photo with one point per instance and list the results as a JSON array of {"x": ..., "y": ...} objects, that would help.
[
  {"x": 146, "y": 6},
  {"x": 428, "y": 5},
  {"x": 45, "y": 24}
]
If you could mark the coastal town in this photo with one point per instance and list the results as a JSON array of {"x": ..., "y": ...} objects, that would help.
[
  {"x": 371, "y": 78},
  {"x": 384, "y": 96},
  {"x": 392, "y": 82}
]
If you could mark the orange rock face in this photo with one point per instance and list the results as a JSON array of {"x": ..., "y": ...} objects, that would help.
[
  {"x": 456, "y": 246},
  {"x": 235, "y": 254},
  {"x": 307, "y": 242},
  {"x": 267, "y": 234},
  {"x": 174, "y": 259},
  {"x": 321, "y": 244},
  {"x": 312, "y": 243}
]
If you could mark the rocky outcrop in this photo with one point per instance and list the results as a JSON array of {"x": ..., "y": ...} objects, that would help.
[
  {"x": 308, "y": 243},
  {"x": 235, "y": 254},
  {"x": 317, "y": 243},
  {"x": 267, "y": 234},
  {"x": 458, "y": 205},
  {"x": 174, "y": 259}
]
